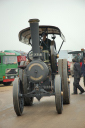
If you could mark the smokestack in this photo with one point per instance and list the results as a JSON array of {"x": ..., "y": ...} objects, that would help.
[{"x": 34, "y": 28}]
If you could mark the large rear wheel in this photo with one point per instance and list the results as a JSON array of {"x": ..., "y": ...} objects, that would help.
[{"x": 63, "y": 71}]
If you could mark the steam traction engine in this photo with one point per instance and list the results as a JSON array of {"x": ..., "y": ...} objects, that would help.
[{"x": 42, "y": 76}]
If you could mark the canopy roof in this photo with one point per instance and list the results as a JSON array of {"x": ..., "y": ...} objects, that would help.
[
  {"x": 25, "y": 34},
  {"x": 75, "y": 52}
]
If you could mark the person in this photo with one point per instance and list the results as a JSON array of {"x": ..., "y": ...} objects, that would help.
[
  {"x": 77, "y": 75},
  {"x": 45, "y": 44},
  {"x": 83, "y": 70}
]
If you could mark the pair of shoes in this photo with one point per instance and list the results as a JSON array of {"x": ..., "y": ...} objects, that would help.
[
  {"x": 81, "y": 92},
  {"x": 74, "y": 93}
]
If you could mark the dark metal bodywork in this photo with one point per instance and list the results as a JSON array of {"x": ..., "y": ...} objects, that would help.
[{"x": 40, "y": 75}]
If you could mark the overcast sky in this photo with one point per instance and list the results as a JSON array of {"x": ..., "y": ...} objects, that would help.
[{"x": 68, "y": 15}]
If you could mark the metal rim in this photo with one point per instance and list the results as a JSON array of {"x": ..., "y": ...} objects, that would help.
[
  {"x": 53, "y": 58},
  {"x": 58, "y": 95},
  {"x": 18, "y": 100},
  {"x": 62, "y": 70}
]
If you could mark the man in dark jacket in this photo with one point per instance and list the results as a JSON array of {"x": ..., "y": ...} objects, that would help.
[
  {"x": 45, "y": 45},
  {"x": 77, "y": 75}
]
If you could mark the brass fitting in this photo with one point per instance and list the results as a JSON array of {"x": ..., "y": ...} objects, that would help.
[
  {"x": 33, "y": 20},
  {"x": 57, "y": 56},
  {"x": 62, "y": 93},
  {"x": 68, "y": 80}
]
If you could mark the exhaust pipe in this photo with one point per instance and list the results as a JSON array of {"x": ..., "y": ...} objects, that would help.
[
  {"x": 36, "y": 70},
  {"x": 34, "y": 28}
]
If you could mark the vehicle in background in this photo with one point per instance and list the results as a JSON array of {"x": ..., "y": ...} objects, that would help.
[
  {"x": 22, "y": 52},
  {"x": 71, "y": 69},
  {"x": 8, "y": 67},
  {"x": 21, "y": 56},
  {"x": 63, "y": 54},
  {"x": 78, "y": 55}
]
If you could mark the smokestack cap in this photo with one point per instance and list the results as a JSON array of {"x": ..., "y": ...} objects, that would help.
[{"x": 33, "y": 20}]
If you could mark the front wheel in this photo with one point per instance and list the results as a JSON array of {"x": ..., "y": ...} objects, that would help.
[
  {"x": 18, "y": 100},
  {"x": 58, "y": 94}
]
